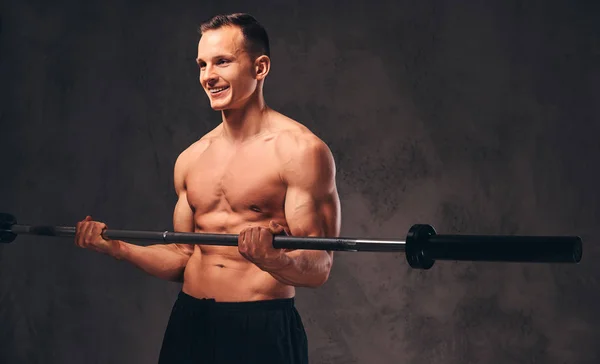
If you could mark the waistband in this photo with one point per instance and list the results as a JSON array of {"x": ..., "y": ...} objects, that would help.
[{"x": 210, "y": 303}]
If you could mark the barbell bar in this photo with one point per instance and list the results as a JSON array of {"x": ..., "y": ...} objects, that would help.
[{"x": 422, "y": 246}]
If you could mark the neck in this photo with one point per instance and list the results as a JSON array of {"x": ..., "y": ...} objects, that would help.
[{"x": 246, "y": 122}]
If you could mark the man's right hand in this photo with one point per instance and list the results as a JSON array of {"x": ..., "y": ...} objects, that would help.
[{"x": 88, "y": 234}]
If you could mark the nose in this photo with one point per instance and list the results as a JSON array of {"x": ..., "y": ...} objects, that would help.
[{"x": 208, "y": 76}]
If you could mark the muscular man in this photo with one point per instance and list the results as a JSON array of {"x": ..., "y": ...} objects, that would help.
[{"x": 257, "y": 174}]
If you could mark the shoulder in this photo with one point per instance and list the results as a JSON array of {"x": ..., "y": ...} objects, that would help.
[
  {"x": 192, "y": 152},
  {"x": 303, "y": 146},
  {"x": 292, "y": 137},
  {"x": 198, "y": 147},
  {"x": 301, "y": 150}
]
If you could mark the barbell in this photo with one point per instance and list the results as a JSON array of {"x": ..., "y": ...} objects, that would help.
[{"x": 422, "y": 246}]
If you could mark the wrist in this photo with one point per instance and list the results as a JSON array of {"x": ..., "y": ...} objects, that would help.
[{"x": 117, "y": 250}]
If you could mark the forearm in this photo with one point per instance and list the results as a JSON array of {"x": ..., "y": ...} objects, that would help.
[
  {"x": 304, "y": 268},
  {"x": 165, "y": 261}
]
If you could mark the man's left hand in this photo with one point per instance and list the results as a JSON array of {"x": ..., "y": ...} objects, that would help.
[{"x": 256, "y": 244}]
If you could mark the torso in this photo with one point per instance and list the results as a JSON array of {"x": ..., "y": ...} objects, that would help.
[{"x": 230, "y": 187}]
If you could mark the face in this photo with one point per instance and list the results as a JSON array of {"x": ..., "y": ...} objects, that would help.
[{"x": 227, "y": 72}]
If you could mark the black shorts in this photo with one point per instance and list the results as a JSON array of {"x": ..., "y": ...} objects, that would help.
[{"x": 210, "y": 332}]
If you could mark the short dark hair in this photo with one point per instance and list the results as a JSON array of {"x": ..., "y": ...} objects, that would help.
[{"x": 255, "y": 35}]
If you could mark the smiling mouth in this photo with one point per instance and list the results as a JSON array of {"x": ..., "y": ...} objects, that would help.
[{"x": 217, "y": 90}]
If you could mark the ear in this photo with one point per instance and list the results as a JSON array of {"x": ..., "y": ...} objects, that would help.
[{"x": 262, "y": 65}]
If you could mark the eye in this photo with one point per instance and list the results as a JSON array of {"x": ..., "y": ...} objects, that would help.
[
  {"x": 222, "y": 61},
  {"x": 202, "y": 65}
]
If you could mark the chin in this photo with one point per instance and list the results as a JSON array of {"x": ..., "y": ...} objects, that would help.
[{"x": 220, "y": 107}]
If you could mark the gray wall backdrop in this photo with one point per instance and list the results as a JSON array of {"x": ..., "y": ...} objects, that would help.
[{"x": 475, "y": 117}]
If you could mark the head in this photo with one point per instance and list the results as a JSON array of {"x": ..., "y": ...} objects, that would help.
[{"x": 234, "y": 59}]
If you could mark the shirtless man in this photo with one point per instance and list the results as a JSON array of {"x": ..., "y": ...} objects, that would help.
[{"x": 257, "y": 174}]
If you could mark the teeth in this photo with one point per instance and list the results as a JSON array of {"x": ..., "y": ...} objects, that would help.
[{"x": 215, "y": 90}]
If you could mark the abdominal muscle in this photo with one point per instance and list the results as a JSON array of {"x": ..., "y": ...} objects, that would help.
[
  {"x": 217, "y": 276},
  {"x": 222, "y": 273}
]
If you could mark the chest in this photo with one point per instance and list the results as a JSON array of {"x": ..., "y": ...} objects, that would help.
[{"x": 238, "y": 179}]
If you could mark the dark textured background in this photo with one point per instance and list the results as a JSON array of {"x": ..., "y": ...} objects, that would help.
[{"x": 476, "y": 117}]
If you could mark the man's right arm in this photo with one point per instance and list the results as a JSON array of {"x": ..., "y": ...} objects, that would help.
[{"x": 165, "y": 261}]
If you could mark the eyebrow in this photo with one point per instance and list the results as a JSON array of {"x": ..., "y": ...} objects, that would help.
[{"x": 225, "y": 55}]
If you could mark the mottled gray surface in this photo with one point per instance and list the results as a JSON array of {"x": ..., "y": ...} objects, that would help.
[{"x": 476, "y": 117}]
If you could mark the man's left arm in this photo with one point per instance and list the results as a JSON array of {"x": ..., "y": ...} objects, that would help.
[{"x": 312, "y": 208}]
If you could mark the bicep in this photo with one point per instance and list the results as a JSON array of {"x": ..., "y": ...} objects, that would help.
[
  {"x": 311, "y": 214},
  {"x": 312, "y": 205},
  {"x": 183, "y": 216},
  {"x": 183, "y": 221}
]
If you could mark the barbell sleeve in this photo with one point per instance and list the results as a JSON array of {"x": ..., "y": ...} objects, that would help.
[{"x": 424, "y": 247}]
